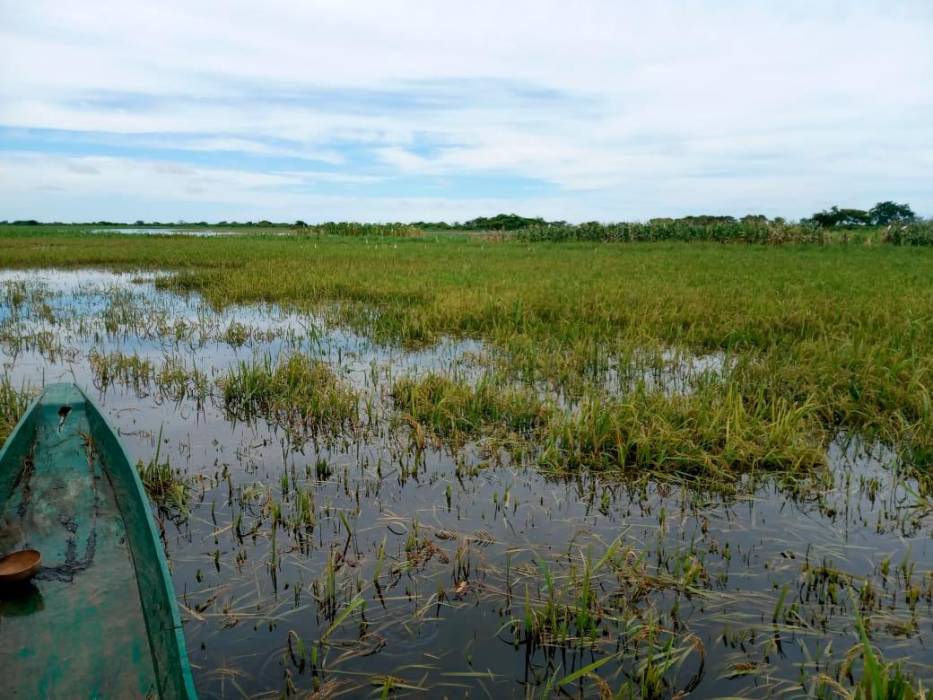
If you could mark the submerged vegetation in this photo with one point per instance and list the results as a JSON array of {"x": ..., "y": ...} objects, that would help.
[
  {"x": 479, "y": 465},
  {"x": 710, "y": 433},
  {"x": 818, "y": 339},
  {"x": 458, "y": 410},
  {"x": 296, "y": 393},
  {"x": 165, "y": 485},
  {"x": 644, "y": 430}
]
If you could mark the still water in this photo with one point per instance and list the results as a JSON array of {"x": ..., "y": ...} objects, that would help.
[{"x": 425, "y": 570}]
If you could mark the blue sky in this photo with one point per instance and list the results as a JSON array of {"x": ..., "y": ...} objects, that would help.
[{"x": 434, "y": 110}]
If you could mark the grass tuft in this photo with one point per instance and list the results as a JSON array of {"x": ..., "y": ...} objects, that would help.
[
  {"x": 13, "y": 404},
  {"x": 296, "y": 393}
]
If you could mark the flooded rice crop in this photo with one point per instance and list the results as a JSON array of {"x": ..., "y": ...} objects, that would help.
[
  {"x": 349, "y": 517},
  {"x": 146, "y": 231}
]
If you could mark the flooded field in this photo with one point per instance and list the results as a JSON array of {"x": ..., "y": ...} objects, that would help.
[
  {"x": 149, "y": 231},
  {"x": 328, "y": 531}
]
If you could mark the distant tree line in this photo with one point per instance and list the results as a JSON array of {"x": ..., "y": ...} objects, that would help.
[
  {"x": 882, "y": 226},
  {"x": 882, "y": 214},
  {"x": 900, "y": 225},
  {"x": 722, "y": 229}
]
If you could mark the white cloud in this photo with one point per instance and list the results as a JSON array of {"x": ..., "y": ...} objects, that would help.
[
  {"x": 595, "y": 98},
  {"x": 74, "y": 189}
]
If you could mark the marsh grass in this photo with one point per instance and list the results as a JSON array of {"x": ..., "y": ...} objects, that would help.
[
  {"x": 596, "y": 606},
  {"x": 177, "y": 381},
  {"x": 844, "y": 331},
  {"x": 460, "y": 410},
  {"x": 297, "y": 393},
  {"x": 166, "y": 486},
  {"x": 616, "y": 382},
  {"x": 639, "y": 430},
  {"x": 117, "y": 367},
  {"x": 13, "y": 404},
  {"x": 170, "y": 380},
  {"x": 879, "y": 679},
  {"x": 716, "y": 432}
]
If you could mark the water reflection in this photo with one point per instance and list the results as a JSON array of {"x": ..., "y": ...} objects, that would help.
[
  {"x": 20, "y": 599},
  {"x": 367, "y": 560}
]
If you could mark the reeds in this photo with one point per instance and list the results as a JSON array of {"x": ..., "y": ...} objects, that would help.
[
  {"x": 13, "y": 404},
  {"x": 642, "y": 430},
  {"x": 357, "y": 229},
  {"x": 296, "y": 393},
  {"x": 715, "y": 433},
  {"x": 457, "y": 409},
  {"x": 165, "y": 485},
  {"x": 689, "y": 229},
  {"x": 690, "y": 395}
]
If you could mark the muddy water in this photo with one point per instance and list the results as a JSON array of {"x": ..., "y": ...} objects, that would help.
[{"x": 420, "y": 564}]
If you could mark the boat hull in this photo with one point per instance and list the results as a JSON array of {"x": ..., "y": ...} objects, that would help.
[{"x": 99, "y": 619}]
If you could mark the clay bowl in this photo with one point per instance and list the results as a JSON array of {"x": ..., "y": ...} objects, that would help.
[{"x": 19, "y": 566}]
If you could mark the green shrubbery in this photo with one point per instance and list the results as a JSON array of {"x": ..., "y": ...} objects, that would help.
[
  {"x": 916, "y": 233},
  {"x": 882, "y": 214},
  {"x": 352, "y": 228},
  {"x": 750, "y": 229}
]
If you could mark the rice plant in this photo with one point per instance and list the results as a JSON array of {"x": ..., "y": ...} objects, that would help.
[
  {"x": 297, "y": 393},
  {"x": 13, "y": 404}
]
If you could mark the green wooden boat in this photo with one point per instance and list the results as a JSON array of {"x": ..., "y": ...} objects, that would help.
[{"x": 99, "y": 619}]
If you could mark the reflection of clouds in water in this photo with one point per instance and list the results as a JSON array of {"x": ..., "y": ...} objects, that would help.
[
  {"x": 770, "y": 531},
  {"x": 141, "y": 231},
  {"x": 670, "y": 371},
  {"x": 76, "y": 281},
  {"x": 124, "y": 311}
]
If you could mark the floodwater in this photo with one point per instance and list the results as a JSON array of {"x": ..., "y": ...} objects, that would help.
[
  {"x": 146, "y": 231},
  {"x": 419, "y": 569}
]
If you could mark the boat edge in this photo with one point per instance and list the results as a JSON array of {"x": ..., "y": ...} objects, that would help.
[{"x": 166, "y": 577}]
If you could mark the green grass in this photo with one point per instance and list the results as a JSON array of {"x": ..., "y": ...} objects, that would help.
[
  {"x": 166, "y": 486},
  {"x": 642, "y": 430},
  {"x": 296, "y": 393},
  {"x": 458, "y": 410},
  {"x": 824, "y": 337},
  {"x": 117, "y": 367},
  {"x": 172, "y": 380},
  {"x": 713, "y": 432},
  {"x": 879, "y": 679},
  {"x": 13, "y": 404}
]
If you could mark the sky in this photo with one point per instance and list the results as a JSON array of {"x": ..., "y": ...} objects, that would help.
[{"x": 434, "y": 110}]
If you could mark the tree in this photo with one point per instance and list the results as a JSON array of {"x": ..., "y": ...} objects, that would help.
[
  {"x": 854, "y": 217},
  {"x": 502, "y": 222},
  {"x": 884, "y": 213},
  {"x": 881, "y": 214},
  {"x": 841, "y": 217}
]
